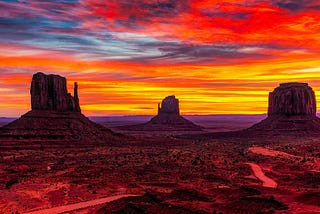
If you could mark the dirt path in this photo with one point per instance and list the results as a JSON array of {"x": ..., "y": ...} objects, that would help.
[
  {"x": 266, "y": 181},
  {"x": 271, "y": 152},
  {"x": 81, "y": 205},
  {"x": 314, "y": 166}
]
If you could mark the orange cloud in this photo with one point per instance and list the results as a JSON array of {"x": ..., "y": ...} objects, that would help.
[
  {"x": 215, "y": 56},
  {"x": 202, "y": 89}
]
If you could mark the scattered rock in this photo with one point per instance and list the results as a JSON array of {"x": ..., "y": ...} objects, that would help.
[
  {"x": 249, "y": 191},
  {"x": 11, "y": 182},
  {"x": 311, "y": 198},
  {"x": 189, "y": 195},
  {"x": 257, "y": 205},
  {"x": 148, "y": 203}
]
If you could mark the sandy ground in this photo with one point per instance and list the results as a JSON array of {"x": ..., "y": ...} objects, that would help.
[
  {"x": 270, "y": 152},
  {"x": 211, "y": 175},
  {"x": 266, "y": 181},
  {"x": 72, "y": 207},
  {"x": 275, "y": 153}
]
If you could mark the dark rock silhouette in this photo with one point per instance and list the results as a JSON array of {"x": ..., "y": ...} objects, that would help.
[
  {"x": 170, "y": 105},
  {"x": 55, "y": 116},
  {"x": 76, "y": 98},
  {"x": 292, "y": 108},
  {"x": 292, "y": 99},
  {"x": 49, "y": 92},
  {"x": 168, "y": 119}
]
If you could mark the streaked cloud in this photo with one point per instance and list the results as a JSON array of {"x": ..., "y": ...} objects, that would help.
[{"x": 216, "y": 56}]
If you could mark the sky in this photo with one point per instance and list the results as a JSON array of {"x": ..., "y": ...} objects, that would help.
[{"x": 217, "y": 57}]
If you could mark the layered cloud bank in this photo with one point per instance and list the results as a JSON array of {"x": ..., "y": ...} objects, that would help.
[{"x": 217, "y": 57}]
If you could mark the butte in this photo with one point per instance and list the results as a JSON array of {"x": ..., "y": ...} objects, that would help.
[
  {"x": 168, "y": 119},
  {"x": 55, "y": 116},
  {"x": 292, "y": 108}
]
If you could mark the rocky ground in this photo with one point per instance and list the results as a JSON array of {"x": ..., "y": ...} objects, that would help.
[{"x": 171, "y": 175}]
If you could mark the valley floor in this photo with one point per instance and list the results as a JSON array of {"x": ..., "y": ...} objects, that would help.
[{"x": 170, "y": 174}]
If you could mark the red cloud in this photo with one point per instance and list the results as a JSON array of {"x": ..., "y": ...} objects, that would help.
[{"x": 198, "y": 21}]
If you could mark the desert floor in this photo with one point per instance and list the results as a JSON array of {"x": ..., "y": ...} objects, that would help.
[{"x": 164, "y": 174}]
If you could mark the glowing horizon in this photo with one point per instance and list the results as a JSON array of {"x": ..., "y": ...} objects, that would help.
[{"x": 216, "y": 57}]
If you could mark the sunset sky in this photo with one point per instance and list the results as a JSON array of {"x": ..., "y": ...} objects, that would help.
[{"x": 217, "y": 57}]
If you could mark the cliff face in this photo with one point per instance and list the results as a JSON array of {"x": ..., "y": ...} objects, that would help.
[
  {"x": 49, "y": 92},
  {"x": 292, "y": 99}
]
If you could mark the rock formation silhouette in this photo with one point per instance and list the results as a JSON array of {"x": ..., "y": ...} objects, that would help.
[
  {"x": 292, "y": 108},
  {"x": 55, "y": 116},
  {"x": 168, "y": 119},
  {"x": 292, "y": 99},
  {"x": 49, "y": 92},
  {"x": 170, "y": 105}
]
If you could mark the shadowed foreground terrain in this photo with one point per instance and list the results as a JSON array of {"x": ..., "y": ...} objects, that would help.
[{"x": 172, "y": 175}]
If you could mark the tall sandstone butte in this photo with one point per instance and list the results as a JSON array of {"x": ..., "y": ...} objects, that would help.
[
  {"x": 170, "y": 105},
  {"x": 292, "y": 99},
  {"x": 167, "y": 119},
  {"x": 55, "y": 117},
  {"x": 49, "y": 92},
  {"x": 292, "y": 108}
]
